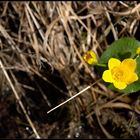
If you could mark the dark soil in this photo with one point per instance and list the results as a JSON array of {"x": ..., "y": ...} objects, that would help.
[{"x": 46, "y": 71}]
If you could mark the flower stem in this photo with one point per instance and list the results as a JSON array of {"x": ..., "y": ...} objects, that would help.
[
  {"x": 136, "y": 56},
  {"x": 101, "y": 65}
]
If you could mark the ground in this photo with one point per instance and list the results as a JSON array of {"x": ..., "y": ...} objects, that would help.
[{"x": 41, "y": 60}]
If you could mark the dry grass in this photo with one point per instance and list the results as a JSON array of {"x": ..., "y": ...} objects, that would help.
[{"x": 42, "y": 44}]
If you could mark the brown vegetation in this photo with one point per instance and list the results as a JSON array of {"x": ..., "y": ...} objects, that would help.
[{"x": 41, "y": 49}]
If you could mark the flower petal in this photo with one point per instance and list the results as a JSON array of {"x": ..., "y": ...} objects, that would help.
[
  {"x": 138, "y": 51},
  {"x": 90, "y": 57},
  {"x": 132, "y": 78},
  {"x": 129, "y": 64},
  {"x": 113, "y": 62},
  {"x": 120, "y": 85},
  {"x": 107, "y": 77}
]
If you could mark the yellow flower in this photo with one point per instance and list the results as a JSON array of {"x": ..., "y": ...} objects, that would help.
[
  {"x": 90, "y": 57},
  {"x": 120, "y": 73},
  {"x": 138, "y": 51}
]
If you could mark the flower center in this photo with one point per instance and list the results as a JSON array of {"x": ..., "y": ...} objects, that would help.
[
  {"x": 118, "y": 74},
  {"x": 88, "y": 56}
]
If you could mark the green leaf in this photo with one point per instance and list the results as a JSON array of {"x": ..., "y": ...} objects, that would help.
[
  {"x": 122, "y": 49},
  {"x": 138, "y": 66},
  {"x": 134, "y": 87}
]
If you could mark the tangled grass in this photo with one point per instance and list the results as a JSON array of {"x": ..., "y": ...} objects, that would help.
[{"x": 42, "y": 44}]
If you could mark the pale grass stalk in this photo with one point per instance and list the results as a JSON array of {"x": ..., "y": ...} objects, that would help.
[
  {"x": 132, "y": 26},
  {"x": 64, "y": 21},
  {"x": 109, "y": 136},
  {"x": 34, "y": 42},
  {"x": 108, "y": 103},
  {"x": 74, "y": 96},
  {"x": 117, "y": 105},
  {"x": 35, "y": 21},
  {"x": 106, "y": 32},
  {"x": 50, "y": 27},
  {"x": 19, "y": 101},
  {"x": 124, "y": 4},
  {"x": 14, "y": 47},
  {"x": 112, "y": 27},
  {"x": 79, "y": 20},
  {"x": 39, "y": 14},
  {"x": 129, "y": 12}
]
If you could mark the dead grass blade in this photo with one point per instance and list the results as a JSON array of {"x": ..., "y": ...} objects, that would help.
[
  {"x": 19, "y": 101},
  {"x": 74, "y": 96},
  {"x": 109, "y": 136},
  {"x": 35, "y": 41},
  {"x": 117, "y": 105},
  {"x": 112, "y": 27},
  {"x": 35, "y": 22},
  {"x": 129, "y": 12}
]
